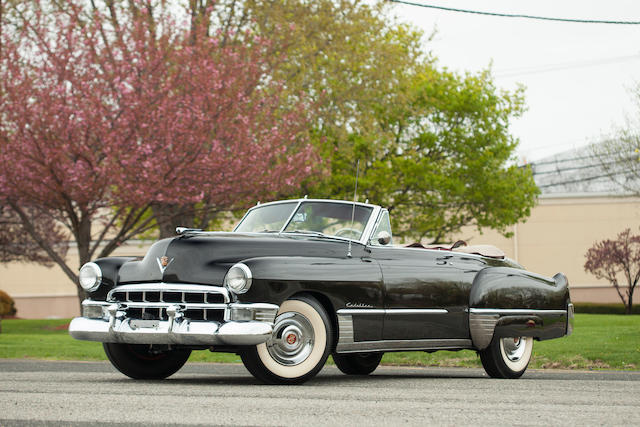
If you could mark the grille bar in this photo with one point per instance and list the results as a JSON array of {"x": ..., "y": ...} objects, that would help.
[
  {"x": 151, "y": 300},
  {"x": 170, "y": 293},
  {"x": 165, "y": 305}
]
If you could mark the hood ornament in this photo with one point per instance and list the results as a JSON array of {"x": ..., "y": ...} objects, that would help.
[{"x": 163, "y": 263}]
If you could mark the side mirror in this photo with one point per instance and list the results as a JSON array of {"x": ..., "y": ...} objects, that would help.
[{"x": 383, "y": 237}]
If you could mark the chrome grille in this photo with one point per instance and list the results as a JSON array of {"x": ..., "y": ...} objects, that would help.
[{"x": 150, "y": 300}]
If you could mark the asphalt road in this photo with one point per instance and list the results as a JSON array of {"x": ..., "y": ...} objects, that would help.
[{"x": 37, "y": 393}]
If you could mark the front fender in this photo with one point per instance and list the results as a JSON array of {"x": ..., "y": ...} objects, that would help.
[
  {"x": 342, "y": 280},
  {"x": 109, "y": 267}
]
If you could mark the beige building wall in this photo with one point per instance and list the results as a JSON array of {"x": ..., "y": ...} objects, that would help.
[
  {"x": 554, "y": 239},
  {"x": 41, "y": 292},
  {"x": 558, "y": 234}
]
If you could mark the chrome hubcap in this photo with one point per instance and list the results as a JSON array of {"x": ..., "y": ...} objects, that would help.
[
  {"x": 514, "y": 348},
  {"x": 292, "y": 339}
]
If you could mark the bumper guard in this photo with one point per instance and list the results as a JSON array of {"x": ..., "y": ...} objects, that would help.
[{"x": 115, "y": 327}]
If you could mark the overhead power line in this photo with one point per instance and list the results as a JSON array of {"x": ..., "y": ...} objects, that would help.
[
  {"x": 564, "y": 160},
  {"x": 580, "y": 180},
  {"x": 509, "y": 15},
  {"x": 522, "y": 71},
  {"x": 559, "y": 170}
]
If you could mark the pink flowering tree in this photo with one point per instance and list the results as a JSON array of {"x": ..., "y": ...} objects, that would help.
[
  {"x": 108, "y": 112},
  {"x": 618, "y": 262}
]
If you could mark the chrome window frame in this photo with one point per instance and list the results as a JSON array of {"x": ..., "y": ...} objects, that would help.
[{"x": 375, "y": 227}]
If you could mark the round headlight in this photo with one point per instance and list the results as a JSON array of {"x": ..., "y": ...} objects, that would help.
[
  {"x": 238, "y": 278},
  {"x": 90, "y": 276}
]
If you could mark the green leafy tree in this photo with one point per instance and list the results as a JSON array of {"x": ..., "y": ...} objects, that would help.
[
  {"x": 444, "y": 159},
  {"x": 435, "y": 146}
]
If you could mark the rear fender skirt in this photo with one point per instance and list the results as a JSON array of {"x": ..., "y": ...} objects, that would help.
[{"x": 484, "y": 324}]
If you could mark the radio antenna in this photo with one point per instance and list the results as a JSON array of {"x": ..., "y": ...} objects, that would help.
[{"x": 353, "y": 208}]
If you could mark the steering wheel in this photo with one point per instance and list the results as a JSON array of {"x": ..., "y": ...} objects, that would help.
[{"x": 348, "y": 233}]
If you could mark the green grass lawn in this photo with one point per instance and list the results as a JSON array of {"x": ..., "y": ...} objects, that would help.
[{"x": 599, "y": 341}]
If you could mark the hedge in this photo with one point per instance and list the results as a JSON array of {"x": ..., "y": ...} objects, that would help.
[{"x": 597, "y": 308}]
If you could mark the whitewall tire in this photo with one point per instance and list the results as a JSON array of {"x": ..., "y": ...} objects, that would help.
[
  {"x": 507, "y": 357},
  {"x": 300, "y": 344}
]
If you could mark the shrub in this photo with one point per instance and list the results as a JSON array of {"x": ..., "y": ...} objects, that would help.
[
  {"x": 618, "y": 262},
  {"x": 7, "y": 306},
  {"x": 596, "y": 308}
]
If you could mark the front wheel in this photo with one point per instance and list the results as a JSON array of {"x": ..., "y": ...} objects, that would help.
[
  {"x": 357, "y": 363},
  {"x": 507, "y": 357},
  {"x": 298, "y": 348},
  {"x": 145, "y": 362}
]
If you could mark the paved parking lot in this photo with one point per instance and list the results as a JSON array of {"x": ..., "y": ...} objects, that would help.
[{"x": 76, "y": 393}]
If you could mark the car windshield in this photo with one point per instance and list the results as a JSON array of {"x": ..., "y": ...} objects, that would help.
[
  {"x": 321, "y": 218},
  {"x": 266, "y": 219},
  {"x": 329, "y": 219}
]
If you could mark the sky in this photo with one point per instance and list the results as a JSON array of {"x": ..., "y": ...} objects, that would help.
[{"x": 580, "y": 79}]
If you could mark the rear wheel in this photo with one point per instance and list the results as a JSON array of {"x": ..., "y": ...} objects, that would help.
[
  {"x": 143, "y": 361},
  {"x": 357, "y": 363},
  {"x": 298, "y": 348},
  {"x": 507, "y": 357}
]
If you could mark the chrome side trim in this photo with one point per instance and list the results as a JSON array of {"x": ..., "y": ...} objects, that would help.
[
  {"x": 510, "y": 311},
  {"x": 346, "y": 343},
  {"x": 481, "y": 327},
  {"x": 352, "y": 311},
  {"x": 345, "y": 331},
  {"x": 405, "y": 345},
  {"x": 416, "y": 311}
]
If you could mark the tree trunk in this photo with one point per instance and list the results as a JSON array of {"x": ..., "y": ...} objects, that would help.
[
  {"x": 83, "y": 239},
  {"x": 170, "y": 216},
  {"x": 82, "y": 295}
]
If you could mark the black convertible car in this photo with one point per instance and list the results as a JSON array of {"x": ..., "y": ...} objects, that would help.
[{"x": 298, "y": 280}]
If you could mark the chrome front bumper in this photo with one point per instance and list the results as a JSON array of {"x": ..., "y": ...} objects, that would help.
[{"x": 115, "y": 327}]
